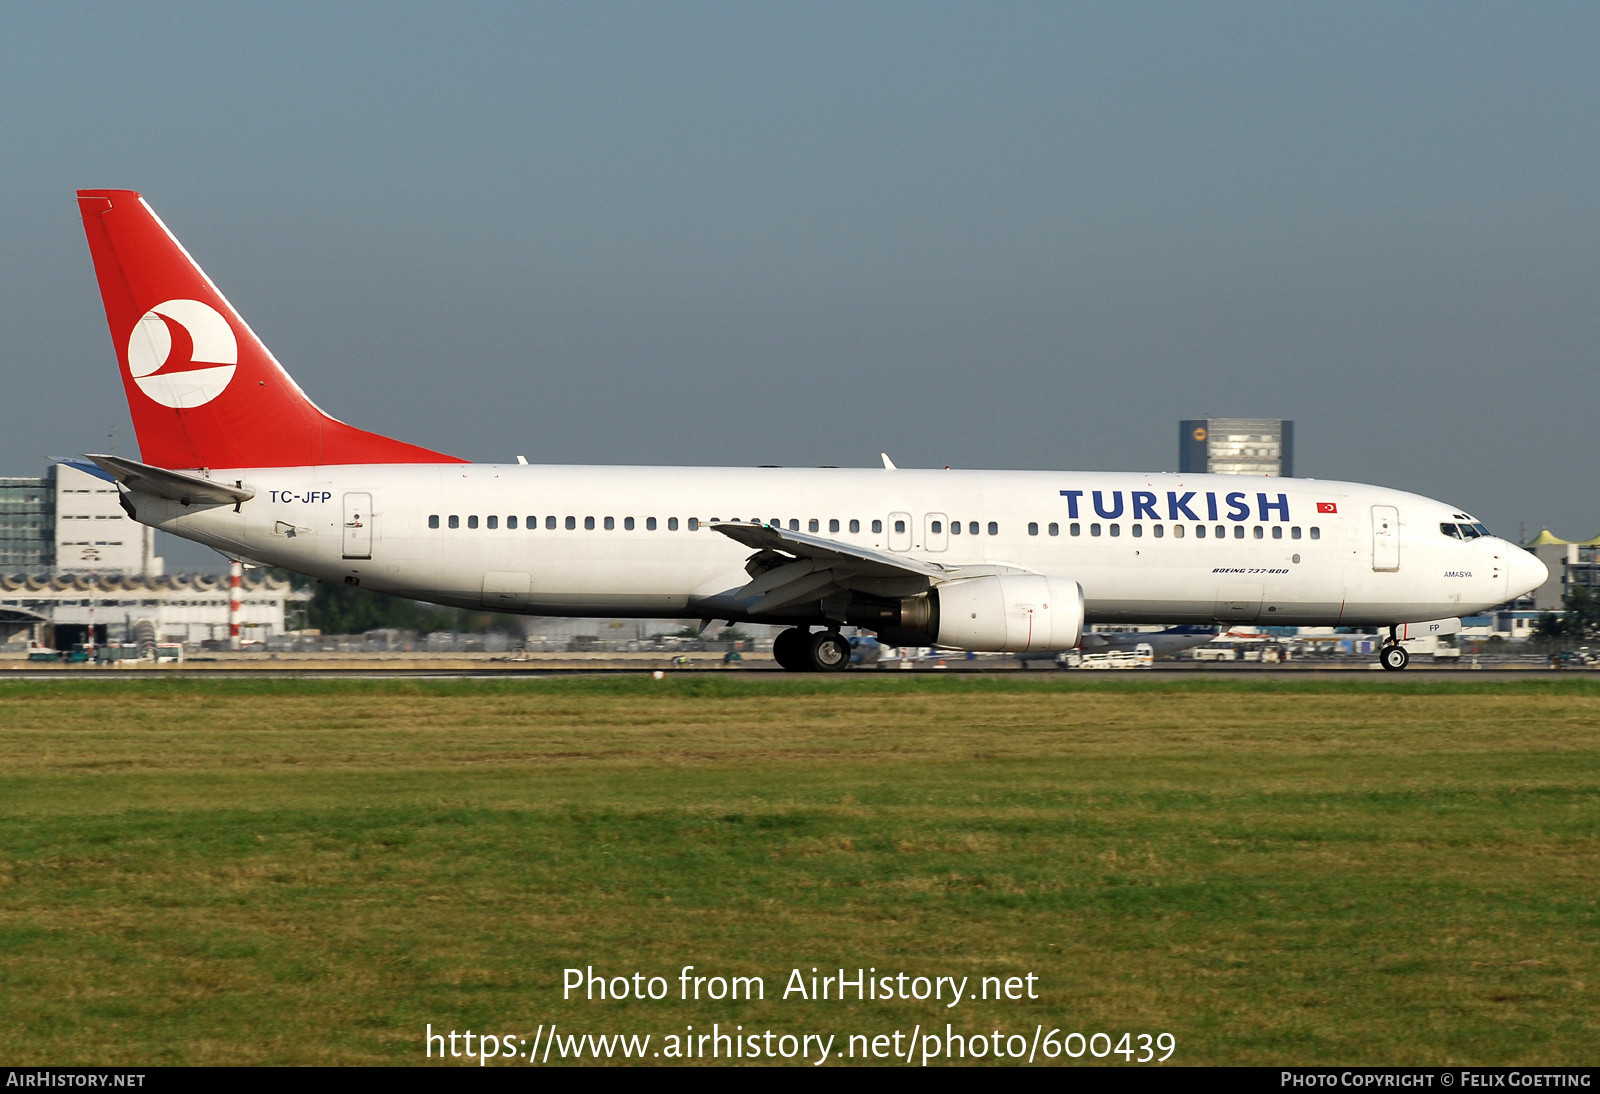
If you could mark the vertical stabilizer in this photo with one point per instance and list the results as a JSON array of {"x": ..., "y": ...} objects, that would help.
[{"x": 203, "y": 390}]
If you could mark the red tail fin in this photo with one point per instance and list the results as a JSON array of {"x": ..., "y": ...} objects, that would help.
[{"x": 203, "y": 390}]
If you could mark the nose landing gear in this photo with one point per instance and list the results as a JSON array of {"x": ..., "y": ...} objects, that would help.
[{"x": 1393, "y": 656}]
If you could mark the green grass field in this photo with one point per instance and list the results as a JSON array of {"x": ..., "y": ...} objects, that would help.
[{"x": 1337, "y": 872}]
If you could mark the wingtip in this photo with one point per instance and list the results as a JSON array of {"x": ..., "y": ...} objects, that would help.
[{"x": 888, "y": 464}]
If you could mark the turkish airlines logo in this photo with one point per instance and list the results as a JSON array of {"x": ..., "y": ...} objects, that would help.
[{"x": 186, "y": 379}]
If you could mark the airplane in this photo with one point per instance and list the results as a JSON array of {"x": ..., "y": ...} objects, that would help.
[
  {"x": 1164, "y": 643},
  {"x": 234, "y": 455}
]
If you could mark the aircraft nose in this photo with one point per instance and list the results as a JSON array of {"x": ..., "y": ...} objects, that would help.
[{"x": 1524, "y": 572}]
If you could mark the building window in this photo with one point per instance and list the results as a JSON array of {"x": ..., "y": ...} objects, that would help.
[
  {"x": 1033, "y": 528},
  {"x": 937, "y": 528},
  {"x": 494, "y": 522},
  {"x": 1316, "y": 533},
  {"x": 455, "y": 521},
  {"x": 855, "y": 526},
  {"x": 511, "y": 522},
  {"x": 833, "y": 525},
  {"x": 572, "y": 523},
  {"x": 627, "y": 524},
  {"x": 433, "y": 521},
  {"x": 672, "y": 524},
  {"x": 588, "y": 524},
  {"x": 1094, "y": 529},
  {"x": 472, "y": 522}
]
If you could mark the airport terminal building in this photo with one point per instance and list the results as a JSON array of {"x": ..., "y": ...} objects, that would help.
[{"x": 73, "y": 566}]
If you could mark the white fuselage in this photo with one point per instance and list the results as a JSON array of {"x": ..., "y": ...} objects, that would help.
[{"x": 637, "y": 541}]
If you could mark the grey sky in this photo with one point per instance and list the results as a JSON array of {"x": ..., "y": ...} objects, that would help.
[{"x": 980, "y": 235}]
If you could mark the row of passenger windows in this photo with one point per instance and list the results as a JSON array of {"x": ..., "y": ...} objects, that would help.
[
  {"x": 1219, "y": 531},
  {"x": 936, "y": 527}
]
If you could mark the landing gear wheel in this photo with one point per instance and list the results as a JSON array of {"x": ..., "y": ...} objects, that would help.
[
  {"x": 791, "y": 650},
  {"x": 1394, "y": 658},
  {"x": 830, "y": 651}
]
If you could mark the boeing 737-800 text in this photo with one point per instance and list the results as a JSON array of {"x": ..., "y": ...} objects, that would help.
[{"x": 235, "y": 456}]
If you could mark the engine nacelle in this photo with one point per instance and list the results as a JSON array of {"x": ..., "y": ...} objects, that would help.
[{"x": 1014, "y": 613}]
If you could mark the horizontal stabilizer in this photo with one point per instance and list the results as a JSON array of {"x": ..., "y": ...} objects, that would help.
[{"x": 179, "y": 486}]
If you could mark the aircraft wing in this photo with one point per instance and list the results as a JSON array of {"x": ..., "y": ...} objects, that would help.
[{"x": 791, "y": 567}]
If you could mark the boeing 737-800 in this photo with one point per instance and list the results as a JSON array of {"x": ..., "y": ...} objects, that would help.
[{"x": 235, "y": 456}]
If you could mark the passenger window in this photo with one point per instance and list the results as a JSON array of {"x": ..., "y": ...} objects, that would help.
[
  {"x": 955, "y": 528},
  {"x": 572, "y": 523},
  {"x": 1055, "y": 529},
  {"x": 1316, "y": 533},
  {"x": 1294, "y": 533},
  {"x": 649, "y": 524},
  {"x": 972, "y": 526},
  {"x": 833, "y": 526},
  {"x": 549, "y": 522},
  {"x": 1157, "y": 530},
  {"x": 855, "y": 526},
  {"x": 937, "y": 527},
  {"x": 511, "y": 522},
  {"x": 994, "y": 529},
  {"x": 494, "y": 522},
  {"x": 588, "y": 524},
  {"x": 1033, "y": 527},
  {"x": 877, "y": 526},
  {"x": 1094, "y": 529},
  {"x": 1177, "y": 531},
  {"x": 813, "y": 525},
  {"x": 1222, "y": 531},
  {"x": 794, "y": 526},
  {"x": 472, "y": 522},
  {"x": 694, "y": 524},
  {"x": 672, "y": 524},
  {"x": 1075, "y": 529},
  {"x": 627, "y": 524},
  {"x": 1238, "y": 531},
  {"x": 1116, "y": 529},
  {"x": 611, "y": 524},
  {"x": 1277, "y": 531},
  {"x": 1259, "y": 533},
  {"x": 1138, "y": 530},
  {"x": 1199, "y": 531},
  {"x": 433, "y": 521},
  {"x": 899, "y": 526}
]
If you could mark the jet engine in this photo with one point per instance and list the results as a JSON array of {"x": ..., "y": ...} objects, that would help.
[{"x": 1013, "y": 613}]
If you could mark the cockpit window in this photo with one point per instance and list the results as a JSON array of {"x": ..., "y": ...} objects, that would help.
[
  {"x": 1450, "y": 530},
  {"x": 1469, "y": 531},
  {"x": 1482, "y": 529}
]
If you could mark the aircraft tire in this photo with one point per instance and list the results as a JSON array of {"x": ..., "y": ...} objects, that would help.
[
  {"x": 1394, "y": 658},
  {"x": 830, "y": 651},
  {"x": 790, "y": 650}
]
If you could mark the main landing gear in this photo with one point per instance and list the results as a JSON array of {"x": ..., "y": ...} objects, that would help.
[
  {"x": 798, "y": 650},
  {"x": 1393, "y": 656}
]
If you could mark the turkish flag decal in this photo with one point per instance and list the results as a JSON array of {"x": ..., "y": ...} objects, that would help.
[{"x": 1327, "y": 507}]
